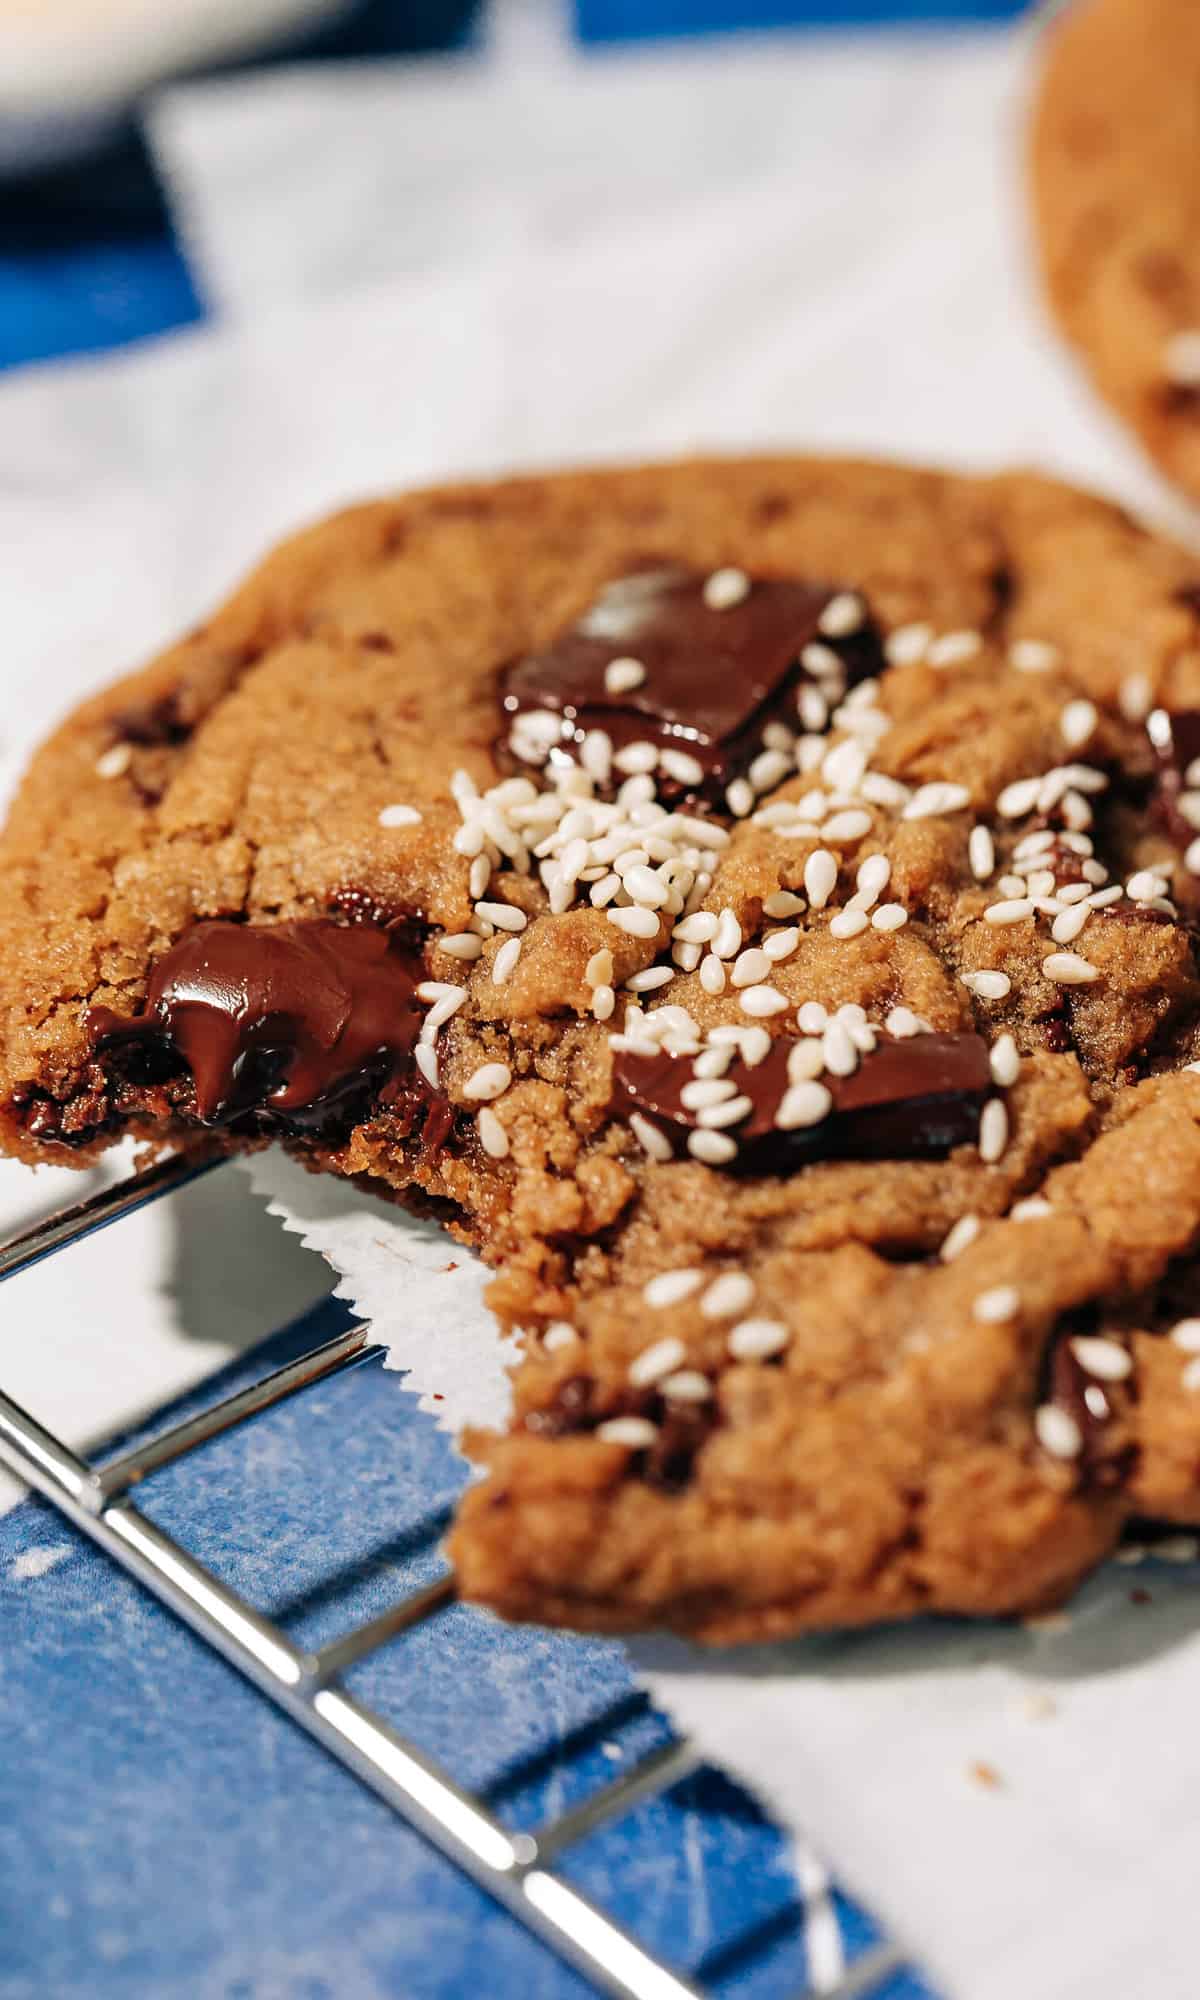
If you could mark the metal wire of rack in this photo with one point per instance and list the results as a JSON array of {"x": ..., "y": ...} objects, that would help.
[{"x": 512, "y": 1867}]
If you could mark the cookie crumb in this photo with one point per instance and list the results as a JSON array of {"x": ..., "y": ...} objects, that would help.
[{"x": 985, "y": 1775}]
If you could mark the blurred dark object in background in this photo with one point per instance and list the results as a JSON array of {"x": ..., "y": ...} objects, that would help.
[{"x": 87, "y": 257}]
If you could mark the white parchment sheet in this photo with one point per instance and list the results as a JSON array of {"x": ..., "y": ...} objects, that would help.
[{"x": 807, "y": 243}]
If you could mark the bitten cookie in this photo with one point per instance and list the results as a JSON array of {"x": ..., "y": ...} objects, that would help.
[
  {"x": 755, "y": 903},
  {"x": 1116, "y": 193}
]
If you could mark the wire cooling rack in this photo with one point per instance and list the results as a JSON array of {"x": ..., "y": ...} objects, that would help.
[{"x": 515, "y": 1868}]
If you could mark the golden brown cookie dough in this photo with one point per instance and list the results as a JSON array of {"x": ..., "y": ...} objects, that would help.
[
  {"x": 1115, "y": 164},
  {"x": 805, "y": 1343}
]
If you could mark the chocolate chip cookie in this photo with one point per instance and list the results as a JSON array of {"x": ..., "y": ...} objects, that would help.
[
  {"x": 755, "y": 903},
  {"x": 1116, "y": 192}
]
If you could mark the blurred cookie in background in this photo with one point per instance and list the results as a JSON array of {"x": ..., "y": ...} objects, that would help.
[{"x": 1115, "y": 165}]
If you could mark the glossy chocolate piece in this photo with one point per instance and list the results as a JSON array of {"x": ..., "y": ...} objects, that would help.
[
  {"x": 1175, "y": 737},
  {"x": 284, "y": 1020},
  {"x": 713, "y": 679},
  {"x": 915, "y": 1098}
]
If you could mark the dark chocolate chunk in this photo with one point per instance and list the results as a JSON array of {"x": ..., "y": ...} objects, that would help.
[
  {"x": 713, "y": 679},
  {"x": 683, "y": 1428},
  {"x": 284, "y": 1020},
  {"x": 1175, "y": 737},
  {"x": 911, "y": 1098}
]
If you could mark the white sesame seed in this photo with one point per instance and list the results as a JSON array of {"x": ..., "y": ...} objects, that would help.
[
  {"x": 489, "y": 1081},
  {"x": 1076, "y": 812},
  {"x": 391, "y": 816},
  {"x": 706, "y": 1090},
  {"x": 841, "y": 1056},
  {"x": 880, "y": 790},
  {"x": 779, "y": 945},
  {"x": 727, "y": 1296},
  {"x": 1107, "y": 1360},
  {"x": 646, "y": 886},
  {"x": 953, "y": 648},
  {"x": 669, "y": 1288},
  {"x": 492, "y": 1135},
  {"x": 638, "y": 1433},
  {"x": 1005, "y": 1061},
  {"x": 687, "y": 1385},
  {"x": 699, "y": 928},
  {"x": 650, "y": 980},
  {"x": 440, "y": 989},
  {"x": 751, "y": 967},
  {"x": 1181, "y": 358},
  {"x": 782, "y": 903},
  {"x": 1057, "y": 1431},
  {"x": 806, "y": 1060},
  {"x": 993, "y": 1130},
  {"x": 1068, "y": 924},
  {"x": 1033, "y": 656},
  {"x": 902, "y": 1022},
  {"x": 1077, "y": 723},
  {"x": 1145, "y": 885},
  {"x": 849, "y": 825},
  {"x": 932, "y": 801},
  {"x": 963, "y": 1233},
  {"x": 425, "y": 1057},
  {"x": 907, "y": 644},
  {"x": 463, "y": 944},
  {"x": 712, "y": 975},
  {"x": 812, "y": 708},
  {"x": 653, "y": 1143},
  {"x": 725, "y": 588},
  {"x": 820, "y": 877},
  {"x": 715, "y": 1117},
  {"x": 992, "y": 1308},
  {"x": 656, "y": 1361},
  {"x": 604, "y": 1001},
  {"x": 712, "y": 1062},
  {"x": 988, "y": 985},
  {"x": 479, "y": 875},
  {"x": 713, "y": 1149},
  {"x": 634, "y": 921},
  {"x": 599, "y": 969},
  {"x": 848, "y": 923},
  {"x": 503, "y": 915},
  {"x": 113, "y": 763},
  {"x": 596, "y": 755},
  {"x": 762, "y": 1001},
  {"x": 727, "y": 939},
  {"x": 739, "y": 797},
  {"x": 843, "y": 768},
  {"x": 684, "y": 769},
  {"x": 1018, "y": 798},
  {"x": 769, "y": 769},
  {"x": 1186, "y": 1334},
  {"x": 755, "y": 1045},
  {"x": 559, "y": 1333},
  {"x": 1135, "y": 697},
  {"x": 812, "y": 1017},
  {"x": 843, "y": 615},
  {"x": 873, "y": 876},
  {"x": 1012, "y": 911},
  {"x": 890, "y": 917},
  {"x": 1067, "y": 968},
  {"x": 757, "y": 1339},
  {"x": 637, "y": 760},
  {"x": 621, "y": 676},
  {"x": 803, "y": 1103}
]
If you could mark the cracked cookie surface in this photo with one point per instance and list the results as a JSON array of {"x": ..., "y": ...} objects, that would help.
[
  {"x": 808, "y": 1045},
  {"x": 1115, "y": 171}
]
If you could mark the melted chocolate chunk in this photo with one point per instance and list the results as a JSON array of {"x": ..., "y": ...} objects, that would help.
[
  {"x": 286, "y": 1021},
  {"x": 1175, "y": 737},
  {"x": 915, "y": 1098},
  {"x": 712, "y": 679}
]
